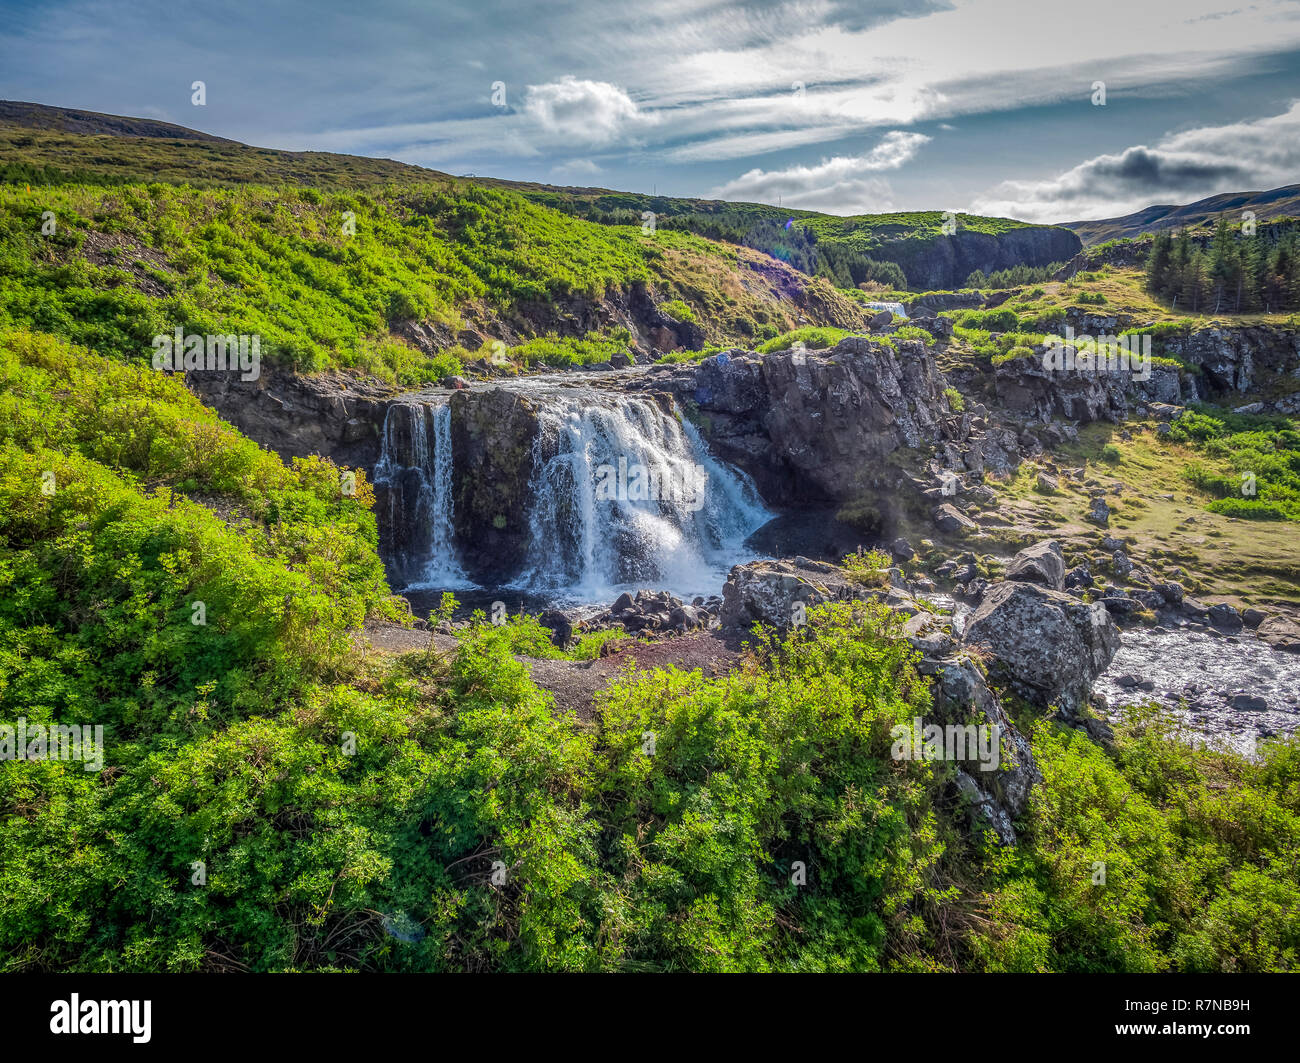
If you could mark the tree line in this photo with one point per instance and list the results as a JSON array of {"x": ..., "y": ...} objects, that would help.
[{"x": 1228, "y": 273}]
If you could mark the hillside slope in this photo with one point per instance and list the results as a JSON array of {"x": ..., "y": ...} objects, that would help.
[
  {"x": 1274, "y": 203},
  {"x": 55, "y": 145},
  {"x": 403, "y": 281}
]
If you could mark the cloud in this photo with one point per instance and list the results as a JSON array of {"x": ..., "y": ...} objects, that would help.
[
  {"x": 838, "y": 185},
  {"x": 583, "y": 112},
  {"x": 576, "y": 167},
  {"x": 1181, "y": 167}
]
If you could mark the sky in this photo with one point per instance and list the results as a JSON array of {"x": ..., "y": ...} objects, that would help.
[{"x": 1044, "y": 110}]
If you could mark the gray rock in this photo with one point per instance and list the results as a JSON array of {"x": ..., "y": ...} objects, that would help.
[
  {"x": 1042, "y": 563},
  {"x": 1046, "y": 646},
  {"x": 1248, "y": 702},
  {"x": 1225, "y": 617},
  {"x": 1099, "y": 513},
  {"x": 950, "y": 520},
  {"x": 961, "y": 697},
  {"x": 1252, "y": 618},
  {"x": 902, "y": 549},
  {"x": 1280, "y": 632}
]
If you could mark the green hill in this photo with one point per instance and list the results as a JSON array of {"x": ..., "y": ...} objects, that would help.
[{"x": 54, "y": 145}]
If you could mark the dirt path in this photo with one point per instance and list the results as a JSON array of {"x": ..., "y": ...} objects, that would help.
[{"x": 575, "y": 683}]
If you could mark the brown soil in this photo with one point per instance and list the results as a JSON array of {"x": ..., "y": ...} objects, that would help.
[{"x": 575, "y": 684}]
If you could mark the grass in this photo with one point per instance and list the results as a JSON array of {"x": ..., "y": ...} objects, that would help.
[{"x": 1160, "y": 512}]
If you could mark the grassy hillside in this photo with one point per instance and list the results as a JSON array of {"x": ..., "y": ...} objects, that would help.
[
  {"x": 273, "y": 799},
  {"x": 46, "y": 145},
  {"x": 333, "y": 278}
]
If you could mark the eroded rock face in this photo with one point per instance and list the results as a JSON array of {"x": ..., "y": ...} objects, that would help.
[
  {"x": 815, "y": 425},
  {"x": 1043, "y": 644},
  {"x": 297, "y": 416},
  {"x": 835, "y": 419},
  {"x": 493, "y": 433},
  {"x": 1043, "y": 563}
]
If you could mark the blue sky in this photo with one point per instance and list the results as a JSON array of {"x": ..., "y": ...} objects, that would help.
[{"x": 835, "y": 105}]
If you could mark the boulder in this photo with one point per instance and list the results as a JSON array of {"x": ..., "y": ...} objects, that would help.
[
  {"x": 560, "y": 626},
  {"x": 767, "y": 592},
  {"x": 950, "y": 520},
  {"x": 1099, "y": 513},
  {"x": 1043, "y": 563},
  {"x": 1252, "y": 618},
  {"x": 902, "y": 549},
  {"x": 1043, "y": 644},
  {"x": 1225, "y": 618},
  {"x": 1280, "y": 632}
]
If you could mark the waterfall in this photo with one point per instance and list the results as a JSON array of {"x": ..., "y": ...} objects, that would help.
[
  {"x": 414, "y": 475},
  {"x": 621, "y": 495},
  {"x": 627, "y": 496}
]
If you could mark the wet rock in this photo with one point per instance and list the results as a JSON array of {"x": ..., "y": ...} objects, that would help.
[
  {"x": 1248, "y": 703},
  {"x": 1041, "y": 563},
  {"x": 1281, "y": 633},
  {"x": 1252, "y": 618},
  {"x": 1225, "y": 617},
  {"x": 623, "y": 603},
  {"x": 1046, "y": 646}
]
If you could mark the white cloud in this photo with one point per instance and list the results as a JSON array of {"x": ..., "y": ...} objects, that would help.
[
  {"x": 583, "y": 112},
  {"x": 576, "y": 168},
  {"x": 839, "y": 185},
  {"x": 1179, "y": 168}
]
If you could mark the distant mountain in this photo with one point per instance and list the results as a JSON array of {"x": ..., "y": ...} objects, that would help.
[
  {"x": 91, "y": 123},
  {"x": 1275, "y": 203}
]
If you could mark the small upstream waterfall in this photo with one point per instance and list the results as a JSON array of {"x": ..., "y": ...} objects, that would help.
[
  {"x": 414, "y": 474},
  {"x": 626, "y": 495}
]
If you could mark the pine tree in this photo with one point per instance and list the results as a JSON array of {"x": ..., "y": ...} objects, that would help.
[{"x": 1158, "y": 265}]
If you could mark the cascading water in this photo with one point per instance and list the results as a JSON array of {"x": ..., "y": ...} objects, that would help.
[
  {"x": 627, "y": 496},
  {"x": 621, "y": 495},
  {"x": 414, "y": 473}
]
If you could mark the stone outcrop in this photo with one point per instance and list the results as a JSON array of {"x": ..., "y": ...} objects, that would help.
[
  {"x": 1043, "y": 563},
  {"x": 1043, "y": 644},
  {"x": 297, "y": 416},
  {"x": 946, "y": 261},
  {"x": 814, "y": 425},
  {"x": 493, "y": 432}
]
